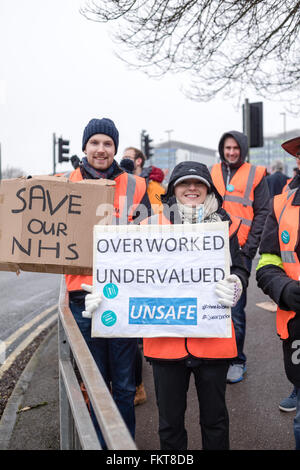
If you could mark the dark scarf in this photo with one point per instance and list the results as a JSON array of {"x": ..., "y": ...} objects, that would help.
[{"x": 91, "y": 172}]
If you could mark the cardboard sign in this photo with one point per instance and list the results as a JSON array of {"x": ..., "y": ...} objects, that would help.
[
  {"x": 46, "y": 223},
  {"x": 159, "y": 280}
]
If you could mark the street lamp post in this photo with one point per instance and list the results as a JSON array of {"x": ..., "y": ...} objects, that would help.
[
  {"x": 284, "y": 138},
  {"x": 169, "y": 160}
]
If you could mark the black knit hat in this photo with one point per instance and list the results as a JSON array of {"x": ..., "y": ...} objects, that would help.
[{"x": 101, "y": 126}]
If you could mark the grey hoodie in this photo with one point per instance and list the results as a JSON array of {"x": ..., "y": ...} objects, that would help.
[
  {"x": 261, "y": 192},
  {"x": 242, "y": 140}
]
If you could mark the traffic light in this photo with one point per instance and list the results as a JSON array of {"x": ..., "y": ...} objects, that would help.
[
  {"x": 63, "y": 148},
  {"x": 256, "y": 124},
  {"x": 148, "y": 149}
]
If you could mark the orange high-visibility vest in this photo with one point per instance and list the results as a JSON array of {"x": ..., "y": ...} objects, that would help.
[
  {"x": 287, "y": 217},
  {"x": 286, "y": 187},
  {"x": 179, "y": 348},
  {"x": 238, "y": 196},
  {"x": 129, "y": 191}
]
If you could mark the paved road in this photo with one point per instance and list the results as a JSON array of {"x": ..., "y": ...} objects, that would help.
[{"x": 24, "y": 296}]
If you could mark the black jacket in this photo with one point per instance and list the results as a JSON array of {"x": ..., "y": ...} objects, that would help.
[
  {"x": 276, "y": 183},
  {"x": 272, "y": 279},
  {"x": 261, "y": 192}
]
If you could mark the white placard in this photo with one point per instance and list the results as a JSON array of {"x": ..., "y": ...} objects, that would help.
[{"x": 159, "y": 280}]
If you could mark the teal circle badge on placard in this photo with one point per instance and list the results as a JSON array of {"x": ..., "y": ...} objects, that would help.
[
  {"x": 230, "y": 188},
  {"x": 108, "y": 318},
  {"x": 285, "y": 236},
  {"x": 110, "y": 291}
]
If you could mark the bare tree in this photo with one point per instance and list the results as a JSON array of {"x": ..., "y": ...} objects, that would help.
[
  {"x": 224, "y": 46},
  {"x": 12, "y": 172}
]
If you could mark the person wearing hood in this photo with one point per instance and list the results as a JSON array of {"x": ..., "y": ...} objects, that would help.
[
  {"x": 191, "y": 198},
  {"x": 278, "y": 275},
  {"x": 245, "y": 194}
]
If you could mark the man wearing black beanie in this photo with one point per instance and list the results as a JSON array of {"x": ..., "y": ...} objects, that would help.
[{"x": 115, "y": 357}]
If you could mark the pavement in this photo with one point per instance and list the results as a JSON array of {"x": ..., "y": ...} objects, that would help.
[{"x": 37, "y": 388}]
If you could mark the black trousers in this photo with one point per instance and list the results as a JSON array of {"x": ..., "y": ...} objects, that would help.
[
  {"x": 291, "y": 351},
  {"x": 171, "y": 379}
]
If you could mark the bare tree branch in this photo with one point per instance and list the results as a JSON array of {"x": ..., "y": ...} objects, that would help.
[
  {"x": 219, "y": 46},
  {"x": 12, "y": 172}
]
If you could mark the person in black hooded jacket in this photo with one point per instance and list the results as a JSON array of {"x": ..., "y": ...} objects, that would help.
[
  {"x": 192, "y": 198},
  {"x": 278, "y": 274},
  {"x": 245, "y": 192}
]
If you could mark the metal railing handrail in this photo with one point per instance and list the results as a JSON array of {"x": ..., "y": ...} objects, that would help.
[{"x": 74, "y": 415}]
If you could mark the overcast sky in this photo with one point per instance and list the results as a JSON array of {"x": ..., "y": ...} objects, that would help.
[{"x": 58, "y": 71}]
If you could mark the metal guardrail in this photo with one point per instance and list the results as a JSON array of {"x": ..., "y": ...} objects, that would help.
[{"x": 76, "y": 427}]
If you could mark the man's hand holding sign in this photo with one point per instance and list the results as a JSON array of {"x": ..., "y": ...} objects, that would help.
[{"x": 92, "y": 301}]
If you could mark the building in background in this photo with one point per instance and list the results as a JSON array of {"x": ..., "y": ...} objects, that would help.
[
  {"x": 168, "y": 154},
  {"x": 272, "y": 151}
]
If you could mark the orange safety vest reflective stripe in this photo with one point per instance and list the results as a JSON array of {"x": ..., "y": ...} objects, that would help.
[
  {"x": 179, "y": 348},
  {"x": 129, "y": 192},
  {"x": 239, "y": 195},
  {"x": 287, "y": 217}
]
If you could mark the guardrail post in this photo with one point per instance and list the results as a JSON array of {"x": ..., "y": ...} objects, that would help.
[
  {"x": 76, "y": 428},
  {"x": 66, "y": 418}
]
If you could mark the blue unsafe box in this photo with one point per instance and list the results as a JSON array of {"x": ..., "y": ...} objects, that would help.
[{"x": 162, "y": 311}]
